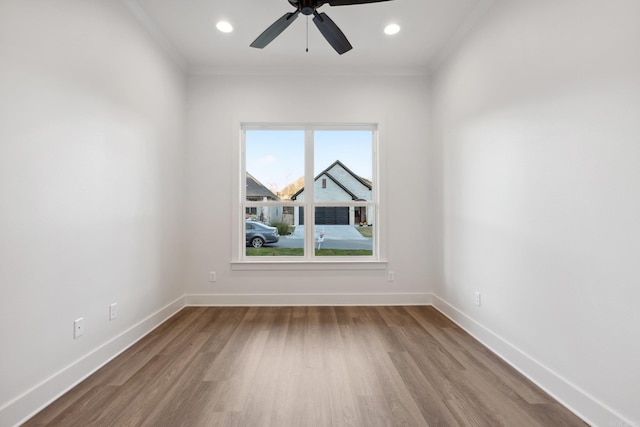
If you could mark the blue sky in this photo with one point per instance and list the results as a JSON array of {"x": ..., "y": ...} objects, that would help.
[{"x": 276, "y": 157}]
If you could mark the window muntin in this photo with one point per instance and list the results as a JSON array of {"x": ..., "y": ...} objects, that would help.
[{"x": 319, "y": 175}]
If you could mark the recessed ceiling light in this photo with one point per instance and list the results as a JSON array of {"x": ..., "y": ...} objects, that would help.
[
  {"x": 224, "y": 27},
  {"x": 392, "y": 29}
]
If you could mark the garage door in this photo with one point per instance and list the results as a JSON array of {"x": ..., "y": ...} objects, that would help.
[{"x": 332, "y": 216}]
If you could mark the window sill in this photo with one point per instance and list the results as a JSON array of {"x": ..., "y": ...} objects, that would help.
[{"x": 307, "y": 265}]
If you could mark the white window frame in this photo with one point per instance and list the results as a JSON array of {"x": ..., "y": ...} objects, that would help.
[{"x": 308, "y": 261}]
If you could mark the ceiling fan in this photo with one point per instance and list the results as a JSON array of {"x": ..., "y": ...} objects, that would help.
[{"x": 327, "y": 27}]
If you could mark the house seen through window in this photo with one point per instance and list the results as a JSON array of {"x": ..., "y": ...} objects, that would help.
[{"x": 309, "y": 192}]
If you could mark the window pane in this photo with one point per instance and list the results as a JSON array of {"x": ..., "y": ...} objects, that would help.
[
  {"x": 274, "y": 164},
  {"x": 269, "y": 231},
  {"x": 334, "y": 216},
  {"x": 338, "y": 231},
  {"x": 343, "y": 161}
]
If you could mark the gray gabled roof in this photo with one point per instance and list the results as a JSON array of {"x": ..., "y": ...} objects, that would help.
[
  {"x": 257, "y": 190},
  {"x": 325, "y": 172}
]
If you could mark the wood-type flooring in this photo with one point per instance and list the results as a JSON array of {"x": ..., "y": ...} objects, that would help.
[{"x": 306, "y": 366}]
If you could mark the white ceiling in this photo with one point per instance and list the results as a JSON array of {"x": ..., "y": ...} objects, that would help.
[{"x": 188, "y": 29}]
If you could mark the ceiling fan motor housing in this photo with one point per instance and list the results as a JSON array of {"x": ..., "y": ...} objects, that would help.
[{"x": 307, "y": 7}]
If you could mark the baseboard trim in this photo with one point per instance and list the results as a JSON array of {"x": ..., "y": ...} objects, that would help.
[
  {"x": 581, "y": 403},
  {"x": 307, "y": 299},
  {"x": 25, "y": 406}
]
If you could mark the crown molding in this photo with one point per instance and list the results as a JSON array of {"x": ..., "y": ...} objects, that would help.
[
  {"x": 468, "y": 24},
  {"x": 142, "y": 17}
]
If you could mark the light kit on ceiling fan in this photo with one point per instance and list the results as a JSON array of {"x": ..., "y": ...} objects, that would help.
[{"x": 327, "y": 27}]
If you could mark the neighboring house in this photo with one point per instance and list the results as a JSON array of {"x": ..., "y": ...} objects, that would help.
[
  {"x": 338, "y": 183},
  {"x": 257, "y": 192}
]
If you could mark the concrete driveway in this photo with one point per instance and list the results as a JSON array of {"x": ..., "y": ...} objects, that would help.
[{"x": 331, "y": 232}]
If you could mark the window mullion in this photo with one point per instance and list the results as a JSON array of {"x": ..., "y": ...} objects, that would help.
[{"x": 309, "y": 196}]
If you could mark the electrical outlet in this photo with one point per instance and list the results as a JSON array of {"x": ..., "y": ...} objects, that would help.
[
  {"x": 78, "y": 327},
  {"x": 477, "y": 298},
  {"x": 113, "y": 311},
  {"x": 212, "y": 276},
  {"x": 391, "y": 276}
]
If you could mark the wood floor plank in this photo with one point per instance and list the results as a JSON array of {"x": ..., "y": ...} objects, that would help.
[
  {"x": 446, "y": 378},
  {"x": 136, "y": 357},
  {"x": 426, "y": 396},
  {"x": 306, "y": 366},
  {"x": 404, "y": 409},
  {"x": 187, "y": 398},
  {"x": 339, "y": 389},
  {"x": 274, "y": 381},
  {"x": 61, "y": 414},
  {"x": 231, "y": 355},
  {"x": 375, "y": 411},
  {"x": 222, "y": 326},
  {"x": 148, "y": 389},
  {"x": 499, "y": 368},
  {"x": 526, "y": 389},
  {"x": 467, "y": 415}
]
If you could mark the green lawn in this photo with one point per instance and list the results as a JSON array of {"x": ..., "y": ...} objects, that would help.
[
  {"x": 267, "y": 251},
  {"x": 344, "y": 252},
  {"x": 365, "y": 231}
]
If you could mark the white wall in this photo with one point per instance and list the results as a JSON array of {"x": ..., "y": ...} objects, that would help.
[
  {"x": 217, "y": 104},
  {"x": 91, "y": 174},
  {"x": 538, "y": 119}
]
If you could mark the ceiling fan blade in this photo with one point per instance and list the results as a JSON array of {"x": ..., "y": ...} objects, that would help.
[
  {"x": 332, "y": 33},
  {"x": 349, "y": 2},
  {"x": 274, "y": 30}
]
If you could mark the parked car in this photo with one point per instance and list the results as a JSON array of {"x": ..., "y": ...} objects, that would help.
[{"x": 258, "y": 234}]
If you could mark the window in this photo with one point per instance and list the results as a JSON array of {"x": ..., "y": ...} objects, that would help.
[{"x": 309, "y": 193}]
